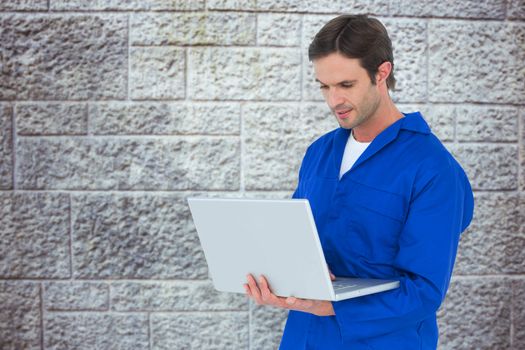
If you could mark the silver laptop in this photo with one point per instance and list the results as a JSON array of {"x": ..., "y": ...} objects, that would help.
[{"x": 274, "y": 238}]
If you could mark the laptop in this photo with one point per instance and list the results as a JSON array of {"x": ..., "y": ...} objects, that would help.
[{"x": 275, "y": 238}]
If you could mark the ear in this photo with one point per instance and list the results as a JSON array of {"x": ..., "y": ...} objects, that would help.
[{"x": 383, "y": 72}]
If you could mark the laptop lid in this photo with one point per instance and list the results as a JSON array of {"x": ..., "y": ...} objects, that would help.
[{"x": 276, "y": 238}]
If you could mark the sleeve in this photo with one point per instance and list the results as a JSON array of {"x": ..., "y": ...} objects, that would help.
[{"x": 441, "y": 208}]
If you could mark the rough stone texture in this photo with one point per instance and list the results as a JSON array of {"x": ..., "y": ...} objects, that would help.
[
  {"x": 325, "y": 6},
  {"x": 157, "y": 73},
  {"x": 173, "y": 296},
  {"x": 409, "y": 45},
  {"x": 122, "y": 118},
  {"x": 96, "y": 331},
  {"x": 231, "y": 4},
  {"x": 476, "y": 62},
  {"x": 220, "y": 330},
  {"x": 6, "y": 146},
  {"x": 489, "y": 166},
  {"x": 63, "y": 57},
  {"x": 267, "y": 326},
  {"x": 21, "y": 5},
  {"x": 279, "y": 29},
  {"x": 276, "y": 137},
  {"x": 152, "y": 5},
  {"x": 476, "y": 315},
  {"x": 51, "y": 119},
  {"x": 244, "y": 74},
  {"x": 518, "y": 314},
  {"x": 516, "y": 9},
  {"x": 102, "y": 163},
  {"x": 486, "y": 124},
  {"x": 78, "y": 296},
  {"x": 34, "y": 235},
  {"x": 146, "y": 236},
  {"x": 19, "y": 315},
  {"x": 493, "y": 244},
  {"x": 465, "y": 9},
  {"x": 223, "y": 28}
]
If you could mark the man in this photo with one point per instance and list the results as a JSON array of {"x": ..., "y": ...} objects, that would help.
[{"x": 388, "y": 199}]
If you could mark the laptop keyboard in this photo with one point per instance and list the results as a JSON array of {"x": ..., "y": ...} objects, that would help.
[{"x": 340, "y": 285}]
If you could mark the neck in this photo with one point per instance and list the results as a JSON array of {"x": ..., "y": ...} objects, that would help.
[{"x": 385, "y": 115}]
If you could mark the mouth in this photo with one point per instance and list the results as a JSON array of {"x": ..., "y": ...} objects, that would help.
[{"x": 343, "y": 114}]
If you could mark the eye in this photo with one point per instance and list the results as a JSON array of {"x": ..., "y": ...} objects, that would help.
[
  {"x": 346, "y": 85},
  {"x": 322, "y": 87}
]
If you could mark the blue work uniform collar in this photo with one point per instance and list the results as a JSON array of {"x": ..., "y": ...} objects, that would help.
[{"x": 411, "y": 122}]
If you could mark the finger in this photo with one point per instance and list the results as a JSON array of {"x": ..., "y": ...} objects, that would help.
[
  {"x": 332, "y": 276},
  {"x": 247, "y": 289},
  {"x": 254, "y": 289},
  {"x": 267, "y": 295}
]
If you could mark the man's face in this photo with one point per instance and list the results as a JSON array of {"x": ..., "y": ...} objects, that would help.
[{"x": 347, "y": 89}]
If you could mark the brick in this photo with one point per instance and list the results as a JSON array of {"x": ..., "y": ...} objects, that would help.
[
  {"x": 6, "y": 147},
  {"x": 409, "y": 42},
  {"x": 125, "y": 5},
  {"x": 476, "y": 315},
  {"x": 96, "y": 331},
  {"x": 70, "y": 296},
  {"x": 36, "y": 49},
  {"x": 518, "y": 313},
  {"x": 244, "y": 74},
  {"x": 279, "y": 29},
  {"x": 123, "y": 118},
  {"x": 464, "y": 9},
  {"x": 223, "y": 28},
  {"x": 157, "y": 73},
  {"x": 124, "y": 164},
  {"x": 409, "y": 48},
  {"x": 491, "y": 253},
  {"x": 473, "y": 61},
  {"x": 231, "y": 4},
  {"x": 486, "y": 124},
  {"x": 516, "y": 9},
  {"x": 147, "y": 236},
  {"x": 19, "y": 315},
  {"x": 276, "y": 138},
  {"x": 267, "y": 326},
  {"x": 173, "y": 296},
  {"x": 324, "y": 6},
  {"x": 51, "y": 119},
  {"x": 34, "y": 235},
  {"x": 23, "y": 5},
  {"x": 218, "y": 330},
  {"x": 489, "y": 166}
]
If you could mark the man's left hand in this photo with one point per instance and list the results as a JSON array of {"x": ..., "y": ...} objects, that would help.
[{"x": 261, "y": 294}]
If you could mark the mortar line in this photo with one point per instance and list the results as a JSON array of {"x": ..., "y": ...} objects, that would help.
[
  {"x": 41, "y": 290},
  {"x": 14, "y": 147},
  {"x": 128, "y": 41},
  {"x": 70, "y": 236},
  {"x": 242, "y": 185}
]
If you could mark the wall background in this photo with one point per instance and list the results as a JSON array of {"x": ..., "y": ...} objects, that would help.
[{"x": 112, "y": 112}]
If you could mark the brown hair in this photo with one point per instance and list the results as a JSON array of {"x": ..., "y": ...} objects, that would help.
[{"x": 356, "y": 36}]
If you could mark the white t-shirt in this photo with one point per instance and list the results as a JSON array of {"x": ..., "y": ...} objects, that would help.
[{"x": 353, "y": 151}]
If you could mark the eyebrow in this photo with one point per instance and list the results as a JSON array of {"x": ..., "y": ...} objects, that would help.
[{"x": 339, "y": 83}]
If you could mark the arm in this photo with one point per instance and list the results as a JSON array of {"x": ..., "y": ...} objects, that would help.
[{"x": 440, "y": 210}]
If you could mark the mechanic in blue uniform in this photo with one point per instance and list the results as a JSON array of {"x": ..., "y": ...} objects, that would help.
[{"x": 388, "y": 199}]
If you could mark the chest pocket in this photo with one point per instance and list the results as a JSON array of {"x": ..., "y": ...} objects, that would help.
[
  {"x": 381, "y": 202},
  {"x": 371, "y": 226}
]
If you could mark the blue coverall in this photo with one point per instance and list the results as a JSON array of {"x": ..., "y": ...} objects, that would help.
[{"x": 396, "y": 214}]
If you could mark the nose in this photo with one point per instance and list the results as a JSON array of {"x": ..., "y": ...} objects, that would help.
[{"x": 334, "y": 98}]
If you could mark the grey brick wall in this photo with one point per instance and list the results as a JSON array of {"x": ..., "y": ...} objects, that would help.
[{"x": 113, "y": 112}]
